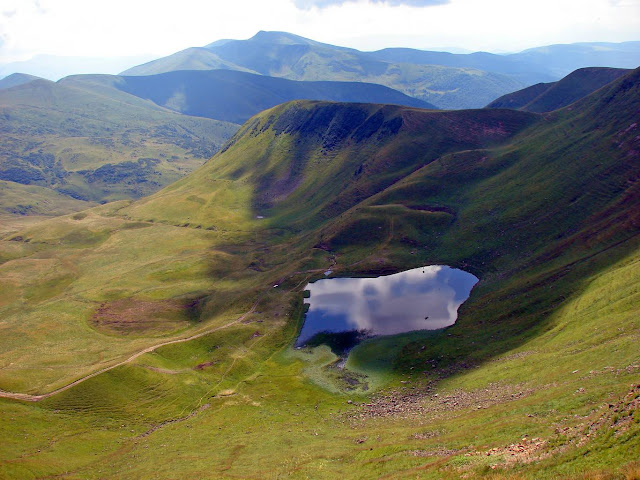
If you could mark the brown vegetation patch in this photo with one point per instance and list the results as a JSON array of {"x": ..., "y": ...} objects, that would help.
[
  {"x": 203, "y": 365},
  {"x": 131, "y": 316}
]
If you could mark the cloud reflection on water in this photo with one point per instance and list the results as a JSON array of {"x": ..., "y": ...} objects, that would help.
[{"x": 425, "y": 298}]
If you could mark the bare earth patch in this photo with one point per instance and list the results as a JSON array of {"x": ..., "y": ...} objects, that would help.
[{"x": 131, "y": 316}]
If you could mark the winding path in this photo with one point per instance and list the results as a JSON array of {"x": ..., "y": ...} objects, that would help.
[{"x": 36, "y": 398}]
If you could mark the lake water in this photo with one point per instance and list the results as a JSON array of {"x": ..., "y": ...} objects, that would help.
[{"x": 425, "y": 298}]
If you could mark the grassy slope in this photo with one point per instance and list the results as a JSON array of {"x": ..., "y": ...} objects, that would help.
[
  {"x": 18, "y": 199},
  {"x": 546, "y": 97},
  {"x": 546, "y": 342},
  {"x": 59, "y": 275},
  {"x": 90, "y": 140}
]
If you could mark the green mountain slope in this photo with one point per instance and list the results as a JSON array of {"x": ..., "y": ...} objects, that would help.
[
  {"x": 537, "y": 379},
  {"x": 546, "y": 97},
  {"x": 99, "y": 138},
  {"x": 280, "y": 54},
  {"x": 94, "y": 143},
  {"x": 306, "y": 162}
]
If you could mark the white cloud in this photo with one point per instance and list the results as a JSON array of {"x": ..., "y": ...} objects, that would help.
[
  {"x": 125, "y": 27},
  {"x": 308, "y": 4}
]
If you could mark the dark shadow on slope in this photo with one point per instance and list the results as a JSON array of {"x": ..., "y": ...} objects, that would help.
[{"x": 324, "y": 159}]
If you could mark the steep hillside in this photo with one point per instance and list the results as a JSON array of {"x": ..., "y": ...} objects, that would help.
[
  {"x": 310, "y": 161},
  {"x": 546, "y": 97},
  {"x": 94, "y": 143},
  {"x": 174, "y": 316},
  {"x": 280, "y": 54},
  {"x": 235, "y": 96}
]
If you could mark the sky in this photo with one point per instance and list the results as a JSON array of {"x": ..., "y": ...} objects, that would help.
[{"x": 100, "y": 28}]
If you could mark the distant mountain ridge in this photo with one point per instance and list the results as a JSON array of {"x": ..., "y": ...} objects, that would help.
[
  {"x": 546, "y": 97},
  {"x": 235, "y": 96},
  {"x": 444, "y": 79},
  {"x": 194, "y": 58},
  {"x": 542, "y": 63},
  {"x": 55, "y": 67},
  {"x": 280, "y": 54}
]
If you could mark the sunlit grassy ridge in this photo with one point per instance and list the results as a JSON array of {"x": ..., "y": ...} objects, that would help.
[
  {"x": 546, "y": 97},
  {"x": 544, "y": 210}
]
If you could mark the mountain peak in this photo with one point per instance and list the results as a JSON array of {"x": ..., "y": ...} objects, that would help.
[
  {"x": 219, "y": 43},
  {"x": 16, "y": 79},
  {"x": 283, "y": 38}
]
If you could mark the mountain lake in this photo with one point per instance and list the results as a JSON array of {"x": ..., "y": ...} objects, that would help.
[{"x": 425, "y": 298}]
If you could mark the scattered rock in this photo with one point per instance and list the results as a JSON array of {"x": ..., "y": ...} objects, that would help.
[
  {"x": 421, "y": 401},
  {"x": 526, "y": 451},
  {"x": 439, "y": 452}
]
